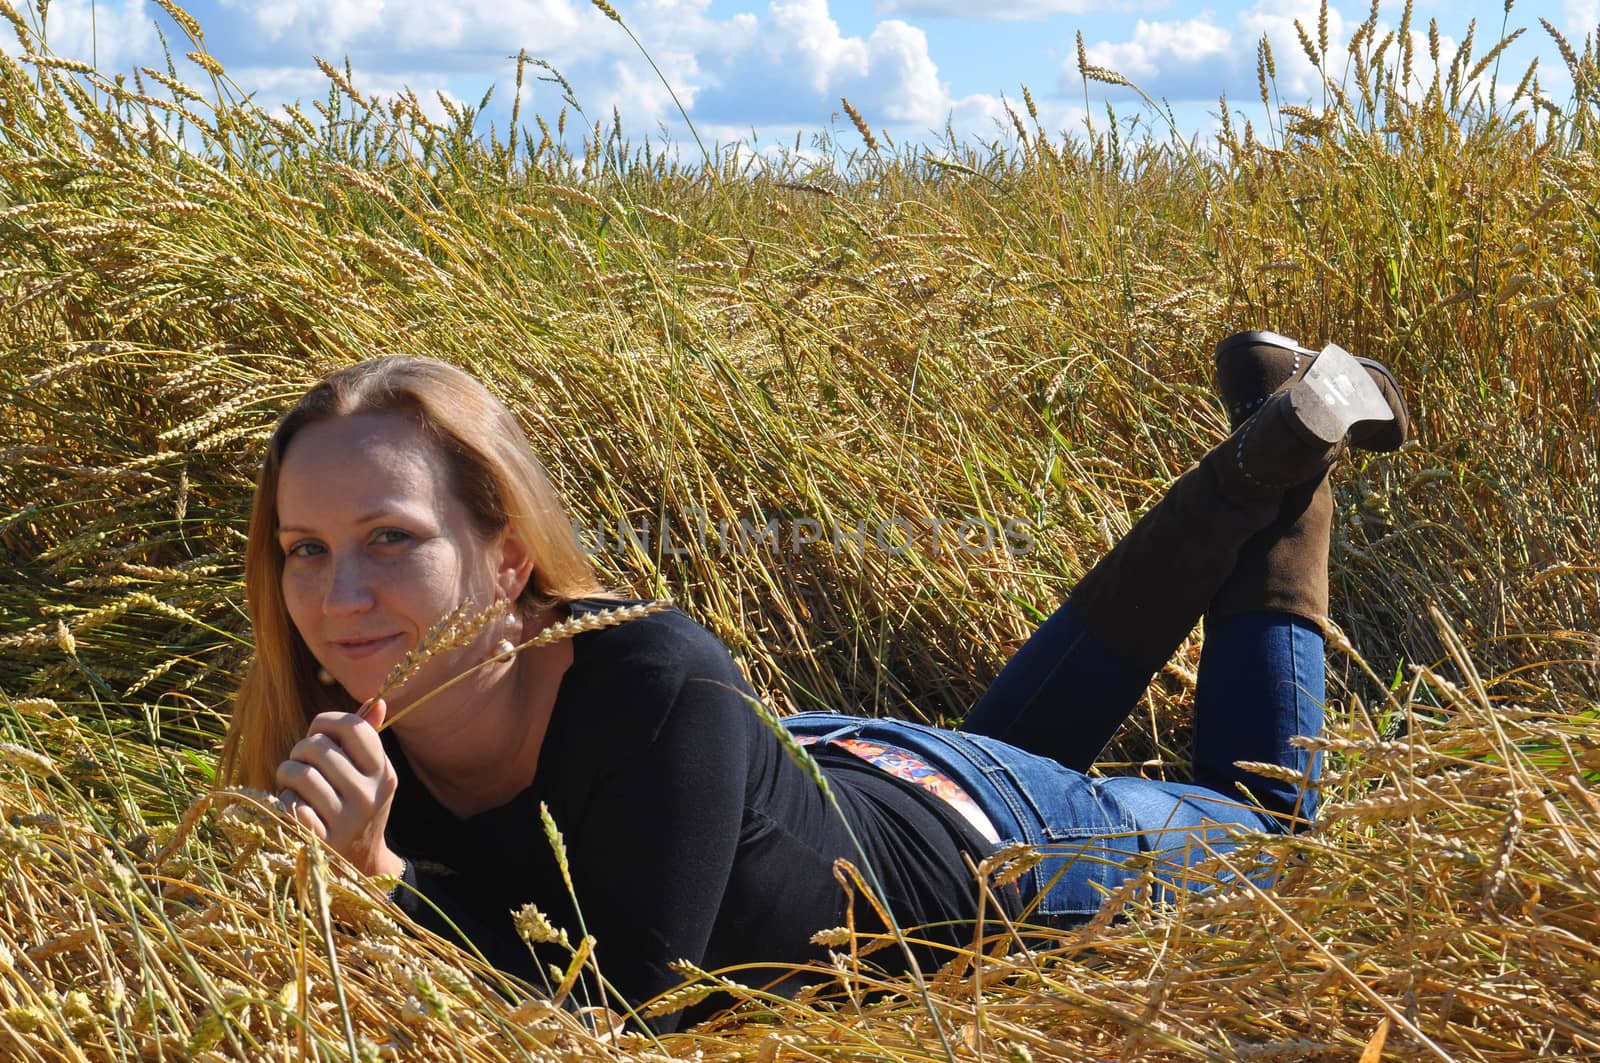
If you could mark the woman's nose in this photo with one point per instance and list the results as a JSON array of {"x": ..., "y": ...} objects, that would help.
[{"x": 349, "y": 586}]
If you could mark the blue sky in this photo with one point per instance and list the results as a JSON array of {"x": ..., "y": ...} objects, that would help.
[{"x": 769, "y": 69}]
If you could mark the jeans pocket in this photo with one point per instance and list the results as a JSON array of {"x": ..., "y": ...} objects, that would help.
[
  {"x": 1072, "y": 880},
  {"x": 1084, "y": 836}
]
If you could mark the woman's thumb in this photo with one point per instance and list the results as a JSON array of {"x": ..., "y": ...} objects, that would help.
[{"x": 374, "y": 712}]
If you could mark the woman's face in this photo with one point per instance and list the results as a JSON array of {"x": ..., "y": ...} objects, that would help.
[{"x": 377, "y": 548}]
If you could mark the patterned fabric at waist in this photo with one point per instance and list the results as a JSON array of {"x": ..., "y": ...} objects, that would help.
[{"x": 902, "y": 765}]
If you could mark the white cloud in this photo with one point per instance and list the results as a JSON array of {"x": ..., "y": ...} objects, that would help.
[
  {"x": 904, "y": 76},
  {"x": 116, "y": 36},
  {"x": 804, "y": 28},
  {"x": 1581, "y": 17},
  {"x": 981, "y": 117},
  {"x": 1275, "y": 20},
  {"x": 777, "y": 70},
  {"x": 281, "y": 83},
  {"x": 995, "y": 10},
  {"x": 782, "y": 68},
  {"x": 786, "y": 70},
  {"x": 332, "y": 27},
  {"x": 635, "y": 91},
  {"x": 792, "y": 64},
  {"x": 285, "y": 84},
  {"x": 1157, "y": 44},
  {"x": 1197, "y": 58}
]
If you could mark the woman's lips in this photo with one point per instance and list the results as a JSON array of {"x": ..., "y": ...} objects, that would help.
[{"x": 355, "y": 649}]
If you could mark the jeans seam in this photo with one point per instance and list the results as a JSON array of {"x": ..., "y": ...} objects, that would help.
[
  {"x": 1302, "y": 725},
  {"x": 1001, "y": 779}
]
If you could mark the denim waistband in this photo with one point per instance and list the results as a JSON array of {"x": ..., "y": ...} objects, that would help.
[{"x": 1085, "y": 834}]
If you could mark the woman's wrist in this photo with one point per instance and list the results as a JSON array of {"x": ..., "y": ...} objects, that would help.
[{"x": 391, "y": 864}]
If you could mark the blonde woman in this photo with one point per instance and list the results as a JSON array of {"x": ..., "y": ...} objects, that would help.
[{"x": 399, "y": 489}]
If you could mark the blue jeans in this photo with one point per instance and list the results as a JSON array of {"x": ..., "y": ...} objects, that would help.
[{"x": 1261, "y": 682}]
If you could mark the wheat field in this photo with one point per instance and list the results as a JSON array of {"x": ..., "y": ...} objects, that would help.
[{"x": 964, "y": 332}]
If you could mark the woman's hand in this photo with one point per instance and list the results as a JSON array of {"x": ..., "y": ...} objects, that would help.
[{"x": 339, "y": 783}]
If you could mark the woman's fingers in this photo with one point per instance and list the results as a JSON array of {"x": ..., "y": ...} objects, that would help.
[
  {"x": 311, "y": 788},
  {"x": 373, "y": 712},
  {"x": 344, "y": 783},
  {"x": 353, "y": 734},
  {"x": 323, "y": 753},
  {"x": 311, "y": 820},
  {"x": 303, "y": 813}
]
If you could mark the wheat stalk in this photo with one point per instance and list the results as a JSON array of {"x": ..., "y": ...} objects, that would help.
[
  {"x": 453, "y": 630},
  {"x": 554, "y": 633},
  {"x": 1469, "y": 903},
  {"x": 861, "y": 125}
]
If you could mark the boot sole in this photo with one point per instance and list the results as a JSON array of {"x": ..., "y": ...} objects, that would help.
[
  {"x": 1336, "y": 395},
  {"x": 1378, "y": 440}
]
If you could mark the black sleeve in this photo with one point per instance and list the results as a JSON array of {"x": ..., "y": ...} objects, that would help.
[
  {"x": 652, "y": 860},
  {"x": 688, "y": 833}
]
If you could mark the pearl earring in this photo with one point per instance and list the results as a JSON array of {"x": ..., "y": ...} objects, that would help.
[
  {"x": 325, "y": 677},
  {"x": 505, "y": 647}
]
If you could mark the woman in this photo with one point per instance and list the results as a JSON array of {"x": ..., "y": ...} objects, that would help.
[{"x": 398, "y": 489}]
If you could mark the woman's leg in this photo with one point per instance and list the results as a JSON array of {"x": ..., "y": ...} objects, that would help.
[
  {"x": 1062, "y": 695},
  {"x": 1065, "y": 692},
  {"x": 1071, "y": 685},
  {"x": 1243, "y": 530},
  {"x": 1262, "y": 683},
  {"x": 1263, "y": 666}
]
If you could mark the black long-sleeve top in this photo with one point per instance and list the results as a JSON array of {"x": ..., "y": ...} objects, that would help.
[{"x": 690, "y": 832}]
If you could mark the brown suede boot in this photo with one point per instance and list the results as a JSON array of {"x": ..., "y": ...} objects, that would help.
[
  {"x": 1284, "y": 567},
  {"x": 1146, "y": 595},
  {"x": 1254, "y": 366}
]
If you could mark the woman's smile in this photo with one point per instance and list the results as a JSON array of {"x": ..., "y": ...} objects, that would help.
[
  {"x": 376, "y": 548},
  {"x": 358, "y": 648}
]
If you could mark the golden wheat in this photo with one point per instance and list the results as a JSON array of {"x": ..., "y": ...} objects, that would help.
[{"x": 920, "y": 333}]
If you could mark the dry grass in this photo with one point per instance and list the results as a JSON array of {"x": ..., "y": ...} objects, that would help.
[{"x": 996, "y": 332}]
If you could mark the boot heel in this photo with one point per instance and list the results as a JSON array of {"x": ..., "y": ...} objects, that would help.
[{"x": 1335, "y": 395}]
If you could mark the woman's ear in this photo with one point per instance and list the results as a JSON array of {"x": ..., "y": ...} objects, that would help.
[{"x": 514, "y": 566}]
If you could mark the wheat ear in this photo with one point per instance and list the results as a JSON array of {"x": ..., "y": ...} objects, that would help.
[
  {"x": 455, "y": 629},
  {"x": 554, "y": 633}
]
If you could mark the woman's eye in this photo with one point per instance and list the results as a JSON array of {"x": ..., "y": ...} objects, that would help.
[
  {"x": 303, "y": 548},
  {"x": 390, "y": 537}
]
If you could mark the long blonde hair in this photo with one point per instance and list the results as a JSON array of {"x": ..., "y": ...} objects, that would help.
[{"x": 494, "y": 473}]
